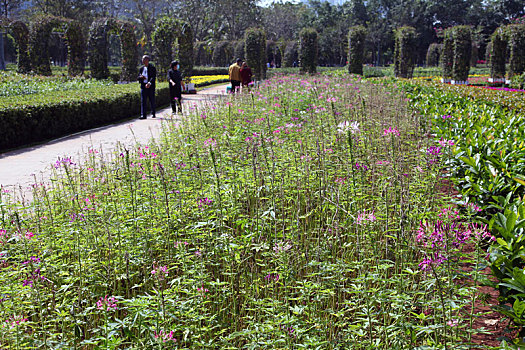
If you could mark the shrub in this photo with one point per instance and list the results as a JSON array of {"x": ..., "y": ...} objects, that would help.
[
  {"x": 21, "y": 36},
  {"x": 308, "y": 50},
  {"x": 433, "y": 54},
  {"x": 447, "y": 53},
  {"x": 39, "y": 34},
  {"x": 76, "y": 48},
  {"x": 462, "y": 52},
  {"x": 405, "y": 50},
  {"x": 222, "y": 54},
  {"x": 98, "y": 52},
  {"x": 238, "y": 49},
  {"x": 516, "y": 37},
  {"x": 497, "y": 54},
  {"x": 128, "y": 48},
  {"x": 98, "y": 47},
  {"x": 356, "y": 47},
  {"x": 202, "y": 53},
  {"x": 198, "y": 71},
  {"x": 33, "y": 118},
  {"x": 474, "y": 56},
  {"x": 255, "y": 51},
  {"x": 291, "y": 54}
]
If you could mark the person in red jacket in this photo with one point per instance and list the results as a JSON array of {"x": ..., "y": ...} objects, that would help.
[{"x": 246, "y": 75}]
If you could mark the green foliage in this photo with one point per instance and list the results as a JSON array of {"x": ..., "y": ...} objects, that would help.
[
  {"x": 308, "y": 50},
  {"x": 405, "y": 51},
  {"x": 261, "y": 224},
  {"x": 40, "y": 31},
  {"x": 66, "y": 108},
  {"x": 238, "y": 49},
  {"x": 356, "y": 48},
  {"x": 462, "y": 36},
  {"x": 128, "y": 49},
  {"x": 291, "y": 54},
  {"x": 21, "y": 36},
  {"x": 434, "y": 54},
  {"x": 98, "y": 52},
  {"x": 498, "y": 53},
  {"x": 98, "y": 47},
  {"x": 202, "y": 53},
  {"x": 255, "y": 51},
  {"x": 516, "y": 37},
  {"x": 487, "y": 168},
  {"x": 38, "y": 45},
  {"x": 222, "y": 55},
  {"x": 185, "y": 56},
  {"x": 447, "y": 53},
  {"x": 76, "y": 48}
]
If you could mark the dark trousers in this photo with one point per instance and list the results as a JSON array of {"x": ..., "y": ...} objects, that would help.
[
  {"x": 236, "y": 84},
  {"x": 176, "y": 99},
  {"x": 145, "y": 95}
]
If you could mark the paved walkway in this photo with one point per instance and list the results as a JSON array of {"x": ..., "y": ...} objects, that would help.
[{"x": 18, "y": 167}]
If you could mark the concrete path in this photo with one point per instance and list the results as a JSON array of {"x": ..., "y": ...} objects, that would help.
[{"x": 18, "y": 168}]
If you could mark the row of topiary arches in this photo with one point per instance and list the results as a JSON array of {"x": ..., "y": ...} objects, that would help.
[{"x": 33, "y": 45}]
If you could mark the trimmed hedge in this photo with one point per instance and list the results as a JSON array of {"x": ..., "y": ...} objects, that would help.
[
  {"x": 28, "y": 119},
  {"x": 405, "y": 51},
  {"x": 167, "y": 31},
  {"x": 98, "y": 47},
  {"x": 20, "y": 33},
  {"x": 308, "y": 50},
  {"x": 447, "y": 53},
  {"x": 356, "y": 49},
  {"x": 238, "y": 49},
  {"x": 291, "y": 53},
  {"x": 255, "y": 51},
  {"x": 497, "y": 54},
  {"x": 202, "y": 53},
  {"x": 516, "y": 37},
  {"x": 433, "y": 54},
  {"x": 462, "y": 51},
  {"x": 222, "y": 54}
]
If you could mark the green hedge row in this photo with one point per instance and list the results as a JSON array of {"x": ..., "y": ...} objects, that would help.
[{"x": 33, "y": 118}]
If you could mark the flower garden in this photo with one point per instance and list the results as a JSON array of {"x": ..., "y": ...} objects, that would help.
[{"x": 314, "y": 212}]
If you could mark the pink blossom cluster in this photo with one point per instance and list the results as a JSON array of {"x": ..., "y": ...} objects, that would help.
[
  {"x": 439, "y": 237},
  {"x": 144, "y": 153},
  {"x": 444, "y": 142},
  {"x": 63, "y": 161},
  {"x": 204, "y": 202},
  {"x": 107, "y": 303},
  {"x": 364, "y": 216},
  {"x": 160, "y": 271},
  {"x": 391, "y": 131},
  {"x": 165, "y": 336},
  {"x": 272, "y": 277}
]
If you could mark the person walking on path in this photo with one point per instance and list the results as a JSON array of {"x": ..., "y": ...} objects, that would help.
[
  {"x": 147, "y": 78},
  {"x": 246, "y": 75},
  {"x": 235, "y": 75},
  {"x": 176, "y": 86}
]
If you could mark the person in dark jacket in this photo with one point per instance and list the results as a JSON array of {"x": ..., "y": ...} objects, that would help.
[
  {"x": 246, "y": 75},
  {"x": 147, "y": 78},
  {"x": 176, "y": 86}
]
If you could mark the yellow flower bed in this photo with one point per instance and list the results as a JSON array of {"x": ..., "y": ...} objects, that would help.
[{"x": 208, "y": 79}]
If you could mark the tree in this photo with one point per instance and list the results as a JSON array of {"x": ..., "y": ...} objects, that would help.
[{"x": 9, "y": 7}]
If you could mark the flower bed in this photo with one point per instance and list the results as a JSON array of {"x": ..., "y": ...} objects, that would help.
[
  {"x": 302, "y": 215},
  {"x": 488, "y": 169}
]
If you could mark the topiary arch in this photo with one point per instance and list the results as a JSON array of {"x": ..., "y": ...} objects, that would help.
[
  {"x": 20, "y": 33},
  {"x": 39, "y": 34},
  {"x": 498, "y": 54},
  {"x": 255, "y": 51},
  {"x": 169, "y": 31},
  {"x": 98, "y": 47}
]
